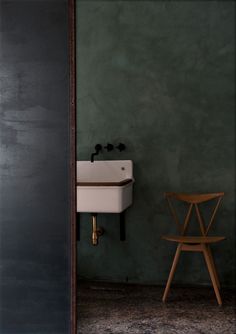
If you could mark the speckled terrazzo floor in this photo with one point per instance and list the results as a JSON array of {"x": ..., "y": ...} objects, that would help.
[{"x": 114, "y": 308}]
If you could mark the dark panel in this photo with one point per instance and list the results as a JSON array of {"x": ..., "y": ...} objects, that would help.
[{"x": 34, "y": 168}]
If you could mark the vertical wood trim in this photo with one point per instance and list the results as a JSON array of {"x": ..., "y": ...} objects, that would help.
[
  {"x": 73, "y": 243},
  {"x": 199, "y": 218},
  {"x": 172, "y": 271},
  {"x": 186, "y": 221},
  {"x": 213, "y": 265},
  {"x": 213, "y": 215},
  {"x": 212, "y": 274}
]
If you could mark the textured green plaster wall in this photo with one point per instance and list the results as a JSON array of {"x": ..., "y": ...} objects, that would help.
[{"x": 160, "y": 77}]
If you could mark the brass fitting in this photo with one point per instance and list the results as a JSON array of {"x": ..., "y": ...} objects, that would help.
[{"x": 96, "y": 232}]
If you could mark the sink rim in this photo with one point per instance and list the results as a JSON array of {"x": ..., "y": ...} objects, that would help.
[{"x": 104, "y": 183}]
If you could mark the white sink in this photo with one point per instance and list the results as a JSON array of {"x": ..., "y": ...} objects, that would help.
[{"x": 104, "y": 186}]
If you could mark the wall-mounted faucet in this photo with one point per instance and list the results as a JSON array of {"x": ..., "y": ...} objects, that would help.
[
  {"x": 109, "y": 147},
  {"x": 98, "y": 148},
  {"x": 121, "y": 147}
]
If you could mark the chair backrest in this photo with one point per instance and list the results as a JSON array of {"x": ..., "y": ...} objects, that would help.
[{"x": 193, "y": 200}]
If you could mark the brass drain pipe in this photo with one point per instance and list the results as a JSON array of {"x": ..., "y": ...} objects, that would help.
[{"x": 96, "y": 231}]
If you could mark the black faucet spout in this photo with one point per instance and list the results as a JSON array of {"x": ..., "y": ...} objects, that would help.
[
  {"x": 92, "y": 156},
  {"x": 98, "y": 148}
]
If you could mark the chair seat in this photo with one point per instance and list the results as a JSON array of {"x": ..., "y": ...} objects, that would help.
[{"x": 192, "y": 240}]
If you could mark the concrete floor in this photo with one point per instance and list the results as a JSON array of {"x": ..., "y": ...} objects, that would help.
[{"x": 106, "y": 308}]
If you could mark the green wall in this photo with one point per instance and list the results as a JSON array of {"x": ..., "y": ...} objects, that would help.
[{"x": 160, "y": 77}]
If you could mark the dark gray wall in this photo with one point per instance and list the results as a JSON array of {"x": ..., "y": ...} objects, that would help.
[
  {"x": 34, "y": 168},
  {"x": 160, "y": 77}
]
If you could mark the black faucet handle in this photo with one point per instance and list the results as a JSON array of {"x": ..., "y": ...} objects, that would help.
[
  {"x": 109, "y": 147},
  {"x": 98, "y": 147},
  {"x": 121, "y": 147}
]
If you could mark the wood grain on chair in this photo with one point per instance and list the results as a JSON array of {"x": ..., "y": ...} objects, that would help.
[{"x": 194, "y": 243}]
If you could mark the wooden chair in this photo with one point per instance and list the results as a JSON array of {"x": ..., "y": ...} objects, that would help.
[{"x": 194, "y": 243}]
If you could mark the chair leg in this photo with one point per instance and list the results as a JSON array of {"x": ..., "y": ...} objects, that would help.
[
  {"x": 212, "y": 275},
  {"x": 213, "y": 266},
  {"x": 172, "y": 271}
]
